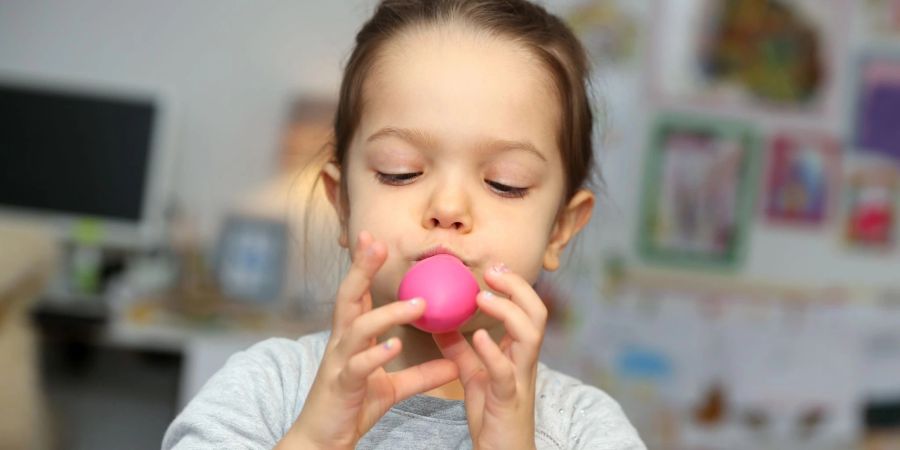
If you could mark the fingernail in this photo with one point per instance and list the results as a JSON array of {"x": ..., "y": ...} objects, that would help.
[
  {"x": 389, "y": 344},
  {"x": 415, "y": 302},
  {"x": 487, "y": 295},
  {"x": 500, "y": 268}
]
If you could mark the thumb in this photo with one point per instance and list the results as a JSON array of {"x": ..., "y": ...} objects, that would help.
[{"x": 455, "y": 348}]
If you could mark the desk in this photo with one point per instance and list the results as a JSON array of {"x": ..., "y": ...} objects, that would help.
[{"x": 151, "y": 325}]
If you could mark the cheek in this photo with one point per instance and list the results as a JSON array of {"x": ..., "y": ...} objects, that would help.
[
  {"x": 520, "y": 239},
  {"x": 384, "y": 220},
  {"x": 529, "y": 262},
  {"x": 521, "y": 249},
  {"x": 365, "y": 211},
  {"x": 384, "y": 227}
]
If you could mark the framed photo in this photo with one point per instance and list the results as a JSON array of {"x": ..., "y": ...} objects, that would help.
[
  {"x": 877, "y": 109},
  {"x": 251, "y": 256},
  {"x": 698, "y": 192},
  {"x": 871, "y": 207},
  {"x": 748, "y": 55},
  {"x": 801, "y": 178}
]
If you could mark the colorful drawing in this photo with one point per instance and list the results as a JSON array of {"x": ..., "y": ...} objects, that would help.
[
  {"x": 801, "y": 178},
  {"x": 872, "y": 207},
  {"x": 769, "y": 48},
  {"x": 608, "y": 30},
  {"x": 697, "y": 191},
  {"x": 752, "y": 56},
  {"x": 878, "y": 106}
]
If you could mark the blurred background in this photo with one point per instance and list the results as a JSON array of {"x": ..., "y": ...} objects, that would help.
[{"x": 738, "y": 287}]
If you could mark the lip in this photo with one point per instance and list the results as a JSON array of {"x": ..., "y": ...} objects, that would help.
[{"x": 439, "y": 250}]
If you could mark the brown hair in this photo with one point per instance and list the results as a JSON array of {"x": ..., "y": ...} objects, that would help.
[{"x": 525, "y": 23}]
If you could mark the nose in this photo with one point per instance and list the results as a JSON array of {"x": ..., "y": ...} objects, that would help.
[{"x": 449, "y": 207}]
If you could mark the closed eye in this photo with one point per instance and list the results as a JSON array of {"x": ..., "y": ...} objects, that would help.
[
  {"x": 400, "y": 179},
  {"x": 396, "y": 179},
  {"x": 507, "y": 191}
]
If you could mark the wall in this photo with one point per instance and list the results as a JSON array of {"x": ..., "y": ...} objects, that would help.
[
  {"x": 231, "y": 68},
  {"x": 228, "y": 68}
]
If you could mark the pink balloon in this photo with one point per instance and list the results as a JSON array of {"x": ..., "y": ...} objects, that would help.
[{"x": 449, "y": 290}]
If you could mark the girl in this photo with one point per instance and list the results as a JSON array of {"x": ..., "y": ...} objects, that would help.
[{"x": 463, "y": 127}]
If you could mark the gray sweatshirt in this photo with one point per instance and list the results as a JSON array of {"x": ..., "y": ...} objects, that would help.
[{"x": 255, "y": 398}]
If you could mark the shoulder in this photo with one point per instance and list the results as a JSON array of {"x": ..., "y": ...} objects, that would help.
[
  {"x": 572, "y": 414},
  {"x": 282, "y": 353},
  {"x": 276, "y": 362},
  {"x": 254, "y": 398},
  {"x": 278, "y": 366}
]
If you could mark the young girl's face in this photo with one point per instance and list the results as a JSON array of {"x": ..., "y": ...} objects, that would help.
[{"x": 457, "y": 152}]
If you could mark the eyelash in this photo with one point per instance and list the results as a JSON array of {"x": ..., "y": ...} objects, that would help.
[{"x": 401, "y": 179}]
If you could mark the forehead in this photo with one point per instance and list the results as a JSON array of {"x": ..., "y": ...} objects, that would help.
[{"x": 462, "y": 87}]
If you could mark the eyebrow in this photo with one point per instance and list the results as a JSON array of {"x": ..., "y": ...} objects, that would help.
[{"x": 424, "y": 140}]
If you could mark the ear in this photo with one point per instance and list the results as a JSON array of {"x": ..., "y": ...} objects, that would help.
[
  {"x": 331, "y": 178},
  {"x": 570, "y": 221}
]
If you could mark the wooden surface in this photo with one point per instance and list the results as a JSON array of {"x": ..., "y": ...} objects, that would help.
[{"x": 26, "y": 259}]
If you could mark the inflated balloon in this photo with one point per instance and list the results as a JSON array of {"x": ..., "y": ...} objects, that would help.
[{"x": 449, "y": 290}]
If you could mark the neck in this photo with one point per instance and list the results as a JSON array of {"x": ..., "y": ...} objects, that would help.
[{"x": 418, "y": 348}]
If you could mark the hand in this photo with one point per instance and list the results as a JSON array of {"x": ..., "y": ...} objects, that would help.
[
  {"x": 352, "y": 391},
  {"x": 499, "y": 380}
]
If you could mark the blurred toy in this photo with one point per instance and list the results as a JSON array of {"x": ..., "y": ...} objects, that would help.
[{"x": 251, "y": 258}]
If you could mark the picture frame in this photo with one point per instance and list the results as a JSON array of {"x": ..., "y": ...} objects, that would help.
[
  {"x": 749, "y": 56},
  {"x": 877, "y": 105},
  {"x": 871, "y": 199},
  {"x": 251, "y": 258},
  {"x": 802, "y": 178},
  {"x": 698, "y": 191}
]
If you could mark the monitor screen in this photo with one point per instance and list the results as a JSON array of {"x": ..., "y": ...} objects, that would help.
[{"x": 74, "y": 153}]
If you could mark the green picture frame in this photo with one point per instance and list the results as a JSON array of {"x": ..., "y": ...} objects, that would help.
[{"x": 699, "y": 189}]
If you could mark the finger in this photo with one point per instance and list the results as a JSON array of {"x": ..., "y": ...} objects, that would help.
[
  {"x": 522, "y": 341},
  {"x": 352, "y": 299},
  {"x": 365, "y": 328},
  {"x": 518, "y": 325},
  {"x": 455, "y": 348},
  {"x": 499, "y": 367},
  {"x": 344, "y": 309},
  {"x": 423, "y": 377},
  {"x": 502, "y": 280},
  {"x": 356, "y": 372}
]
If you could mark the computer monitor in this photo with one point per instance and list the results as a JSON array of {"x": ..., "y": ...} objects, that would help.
[{"x": 73, "y": 153}]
